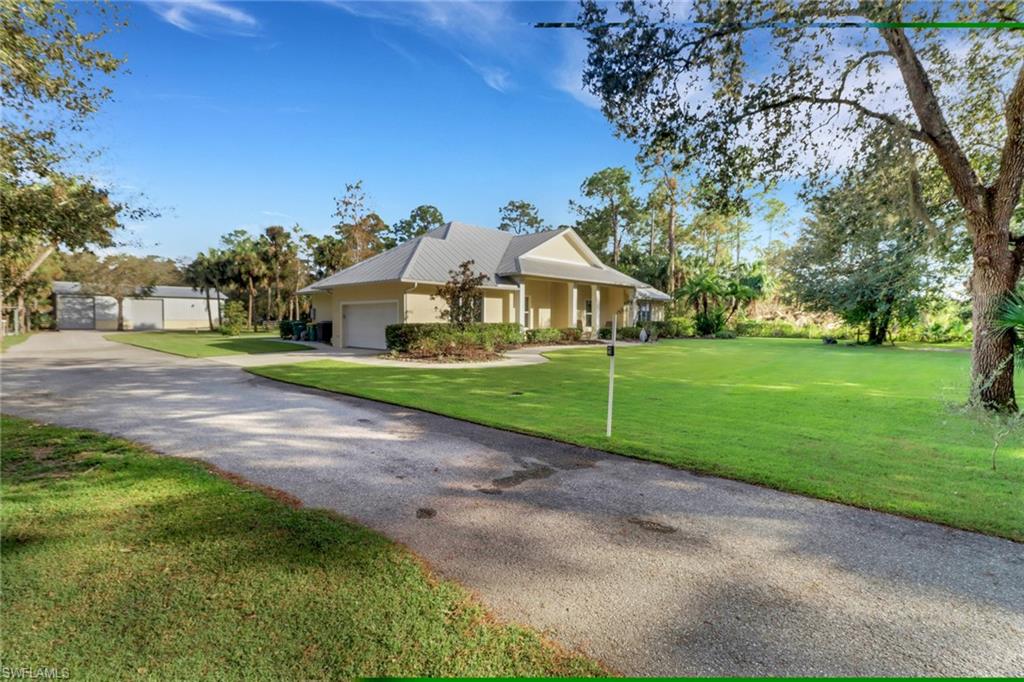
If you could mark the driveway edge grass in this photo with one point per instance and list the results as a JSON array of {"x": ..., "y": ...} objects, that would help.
[
  {"x": 196, "y": 346},
  {"x": 640, "y": 454},
  {"x": 12, "y": 340},
  {"x": 236, "y": 575}
]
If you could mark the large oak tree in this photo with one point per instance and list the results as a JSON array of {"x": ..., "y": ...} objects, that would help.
[{"x": 767, "y": 89}]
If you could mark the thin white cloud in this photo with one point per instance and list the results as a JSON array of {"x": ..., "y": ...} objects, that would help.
[
  {"x": 206, "y": 16},
  {"x": 277, "y": 214},
  {"x": 495, "y": 77},
  {"x": 568, "y": 77},
  {"x": 480, "y": 28}
]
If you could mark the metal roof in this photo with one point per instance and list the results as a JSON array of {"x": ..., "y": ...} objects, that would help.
[
  {"x": 161, "y": 291},
  {"x": 499, "y": 255}
]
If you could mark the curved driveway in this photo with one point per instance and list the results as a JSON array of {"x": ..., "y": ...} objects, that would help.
[{"x": 652, "y": 570}]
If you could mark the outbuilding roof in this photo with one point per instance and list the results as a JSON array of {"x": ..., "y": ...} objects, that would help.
[
  {"x": 499, "y": 255},
  {"x": 160, "y": 291}
]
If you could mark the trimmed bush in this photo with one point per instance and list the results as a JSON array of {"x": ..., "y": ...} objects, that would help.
[
  {"x": 549, "y": 335},
  {"x": 285, "y": 327},
  {"x": 725, "y": 334},
  {"x": 622, "y": 334},
  {"x": 434, "y": 337},
  {"x": 571, "y": 334}
]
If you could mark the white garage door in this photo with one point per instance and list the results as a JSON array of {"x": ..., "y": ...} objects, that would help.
[
  {"x": 144, "y": 313},
  {"x": 76, "y": 312},
  {"x": 363, "y": 323}
]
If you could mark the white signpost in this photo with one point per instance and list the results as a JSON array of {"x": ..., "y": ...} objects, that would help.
[{"x": 611, "y": 377}]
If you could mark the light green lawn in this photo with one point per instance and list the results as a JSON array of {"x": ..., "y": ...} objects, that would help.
[
  {"x": 12, "y": 340},
  {"x": 873, "y": 427},
  {"x": 206, "y": 344},
  {"x": 118, "y": 563}
]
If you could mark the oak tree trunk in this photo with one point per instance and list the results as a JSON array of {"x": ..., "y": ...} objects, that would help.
[{"x": 995, "y": 275}]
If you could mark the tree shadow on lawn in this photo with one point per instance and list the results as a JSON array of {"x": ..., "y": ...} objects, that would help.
[
  {"x": 599, "y": 516},
  {"x": 252, "y": 346}
]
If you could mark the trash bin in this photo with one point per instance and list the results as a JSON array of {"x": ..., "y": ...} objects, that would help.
[{"x": 324, "y": 331}]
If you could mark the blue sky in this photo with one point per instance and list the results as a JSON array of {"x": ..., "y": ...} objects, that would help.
[{"x": 253, "y": 114}]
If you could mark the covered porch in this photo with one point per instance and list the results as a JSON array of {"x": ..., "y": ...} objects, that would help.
[{"x": 549, "y": 303}]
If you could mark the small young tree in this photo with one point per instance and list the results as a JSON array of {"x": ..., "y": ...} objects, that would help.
[
  {"x": 461, "y": 293},
  {"x": 234, "y": 318}
]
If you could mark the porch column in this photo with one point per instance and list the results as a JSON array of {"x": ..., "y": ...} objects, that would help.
[
  {"x": 595, "y": 296},
  {"x": 572, "y": 304},
  {"x": 521, "y": 306}
]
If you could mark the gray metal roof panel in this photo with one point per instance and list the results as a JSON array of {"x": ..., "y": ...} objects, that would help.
[
  {"x": 432, "y": 256},
  {"x": 542, "y": 267},
  {"x": 159, "y": 291}
]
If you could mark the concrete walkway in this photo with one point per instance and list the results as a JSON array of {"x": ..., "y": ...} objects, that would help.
[
  {"x": 529, "y": 355},
  {"x": 650, "y": 569}
]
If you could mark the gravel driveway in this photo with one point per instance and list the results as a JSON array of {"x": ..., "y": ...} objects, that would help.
[{"x": 652, "y": 570}]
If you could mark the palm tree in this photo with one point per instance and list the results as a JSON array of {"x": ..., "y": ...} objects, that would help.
[
  {"x": 198, "y": 274},
  {"x": 1011, "y": 318},
  {"x": 247, "y": 269},
  {"x": 705, "y": 291}
]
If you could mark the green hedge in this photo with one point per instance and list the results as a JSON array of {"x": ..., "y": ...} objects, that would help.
[
  {"x": 440, "y": 337},
  {"x": 787, "y": 330},
  {"x": 672, "y": 328},
  {"x": 549, "y": 335}
]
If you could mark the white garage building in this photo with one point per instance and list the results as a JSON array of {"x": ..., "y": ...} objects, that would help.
[{"x": 165, "y": 308}]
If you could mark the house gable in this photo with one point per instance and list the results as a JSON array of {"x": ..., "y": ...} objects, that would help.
[{"x": 566, "y": 247}]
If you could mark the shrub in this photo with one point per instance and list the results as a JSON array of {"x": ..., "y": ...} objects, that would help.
[
  {"x": 710, "y": 322},
  {"x": 629, "y": 333},
  {"x": 571, "y": 334},
  {"x": 285, "y": 328},
  {"x": 725, "y": 334},
  {"x": 404, "y": 338},
  {"x": 775, "y": 328},
  {"x": 788, "y": 330},
  {"x": 233, "y": 319},
  {"x": 674, "y": 328},
  {"x": 548, "y": 335},
  {"x": 604, "y": 333}
]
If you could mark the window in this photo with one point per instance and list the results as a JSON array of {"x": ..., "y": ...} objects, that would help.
[
  {"x": 478, "y": 307},
  {"x": 644, "y": 312},
  {"x": 526, "y": 314},
  {"x": 588, "y": 313}
]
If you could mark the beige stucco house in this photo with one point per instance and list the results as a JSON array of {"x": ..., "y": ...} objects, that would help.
[{"x": 546, "y": 279}]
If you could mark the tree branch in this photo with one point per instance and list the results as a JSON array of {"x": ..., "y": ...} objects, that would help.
[
  {"x": 936, "y": 131},
  {"x": 1007, "y": 188},
  {"x": 854, "y": 65},
  {"x": 889, "y": 119}
]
